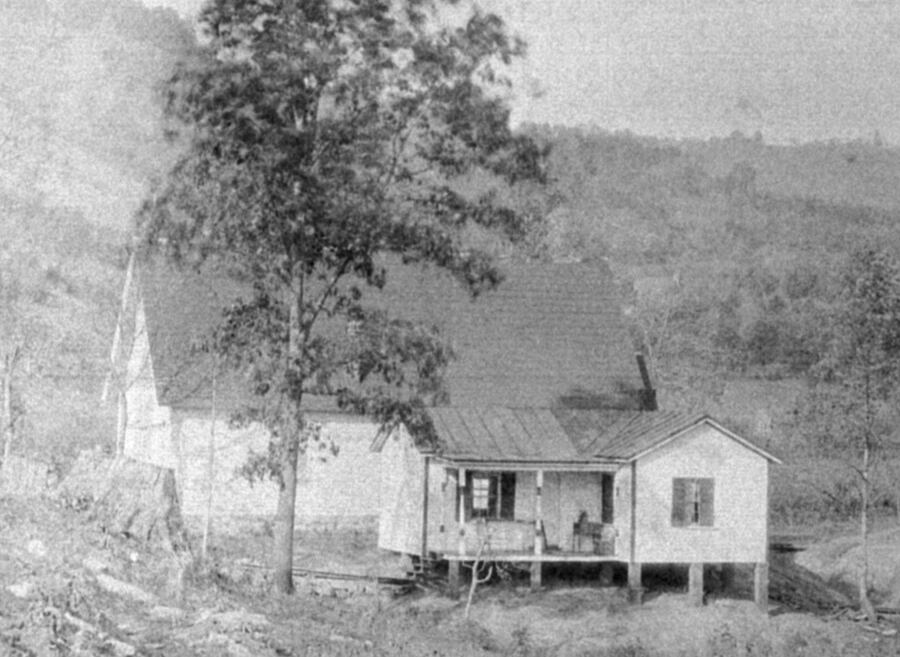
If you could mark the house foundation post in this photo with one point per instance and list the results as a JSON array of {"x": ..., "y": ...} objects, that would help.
[
  {"x": 536, "y": 575},
  {"x": 606, "y": 574},
  {"x": 726, "y": 581},
  {"x": 635, "y": 591},
  {"x": 453, "y": 575},
  {"x": 536, "y": 565},
  {"x": 761, "y": 586},
  {"x": 695, "y": 584}
]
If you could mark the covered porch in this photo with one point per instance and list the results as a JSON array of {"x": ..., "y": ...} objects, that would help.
[{"x": 524, "y": 513}]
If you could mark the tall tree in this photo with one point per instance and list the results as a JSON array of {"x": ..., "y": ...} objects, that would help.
[
  {"x": 859, "y": 377},
  {"x": 324, "y": 133}
]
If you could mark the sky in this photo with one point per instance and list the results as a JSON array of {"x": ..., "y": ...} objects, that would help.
[{"x": 794, "y": 70}]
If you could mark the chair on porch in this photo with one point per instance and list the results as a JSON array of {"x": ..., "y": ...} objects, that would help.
[{"x": 593, "y": 537}]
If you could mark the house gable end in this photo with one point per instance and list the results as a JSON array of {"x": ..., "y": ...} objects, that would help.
[{"x": 676, "y": 434}]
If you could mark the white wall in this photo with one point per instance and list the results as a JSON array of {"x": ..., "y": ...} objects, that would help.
[
  {"x": 442, "y": 508},
  {"x": 343, "y": 486},
  {"x": 622, "y": 511},
  {"x": 563, "y": 497},
  {"x": 331, "y": 488},
  {"x": 739, "y": 533},
  {"x": 148, "y": 432},
  {"x": 402, "y": 484},
  {"x": 232, "y": 495}
]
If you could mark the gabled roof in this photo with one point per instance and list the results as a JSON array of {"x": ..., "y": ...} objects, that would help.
[
  {"x": 637, "y": 434},
  {"x": 549, "y": 336},
  {"x": 181, "y": 308},
  {"x": 563, "y": 436}
]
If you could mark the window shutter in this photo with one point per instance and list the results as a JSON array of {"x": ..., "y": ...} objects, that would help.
[
  {"x": 707, "y": 502},
  {"x": 507, "y": 495},
  {"x": 467, "y": 496},
  {"x": 606, "y": 498},
  {"x": 679, "y": 502}
]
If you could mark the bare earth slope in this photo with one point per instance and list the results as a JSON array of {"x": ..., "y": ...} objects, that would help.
[{"x": 67, "y": 588}]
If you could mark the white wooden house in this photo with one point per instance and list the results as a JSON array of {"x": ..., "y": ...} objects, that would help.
[
  {"x": 180, "y": 405},
  {"x": 550, "y": 445},
  {"x": 576, "y": 485},
  {"x": 548, "y": 332}
]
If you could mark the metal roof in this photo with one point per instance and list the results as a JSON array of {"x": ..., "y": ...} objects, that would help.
[
  {"x": 633, "y": 434},
  {"x": 501, "y": 434},
  {"x": 645, "y": 434},
  {"x": 550, "y": 335},
  {"x": 522, "y": 436}
]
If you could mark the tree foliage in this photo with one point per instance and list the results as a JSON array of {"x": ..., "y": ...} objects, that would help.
[
  {"x": 860, "y": 369},
  {"x": 859, "y": 378},
  {"x": 323, "y": 135}
]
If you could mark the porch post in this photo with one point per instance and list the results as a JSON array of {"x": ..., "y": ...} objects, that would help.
[
  {"x": 454, "y": 564},
  {"x": 442, "y": 528},
  {"x": 538, "y": 532},
  {"x": 695, "y": 584},
  {"x": 427, "y": 466},
  {"x": 461, "y": 517},
  {"x": 635, "y": 592},
  {"x": 761, "y": 586}
]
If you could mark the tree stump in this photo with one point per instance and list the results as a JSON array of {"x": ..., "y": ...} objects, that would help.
[{"x": 128, "y": 497}]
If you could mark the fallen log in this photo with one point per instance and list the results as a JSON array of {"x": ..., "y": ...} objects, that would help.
[{"x": 124, "y": 589}]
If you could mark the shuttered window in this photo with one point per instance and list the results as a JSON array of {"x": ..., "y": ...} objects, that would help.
[
  {"x": 693, "y": 502},
  {"x": 490, "y": 495}
]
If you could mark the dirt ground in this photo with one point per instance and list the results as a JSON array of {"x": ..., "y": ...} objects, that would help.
[{"x": 68, "y": 588}]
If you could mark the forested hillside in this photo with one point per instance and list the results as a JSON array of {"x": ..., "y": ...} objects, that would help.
[
  {"x": 80, "y": 137},
  {"x": 745, "y": 239},
  {"x": 737, "y": 257},
  {"x": 732, "y": 252}
]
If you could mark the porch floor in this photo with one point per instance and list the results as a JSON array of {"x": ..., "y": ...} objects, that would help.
[{"x": 547, "y": 557}]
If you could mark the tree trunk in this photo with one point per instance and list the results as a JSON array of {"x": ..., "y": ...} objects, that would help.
[
  {"x": 283, "y": 557},
  {"x": 7, "y": 413},
  {"x": 9, "y": 366},
  {"x": 864, "y": 602},
  {"x": 210, "y": 471},
  {"x": 121, "y": 421},
  {"x": 284, "y": 516}
]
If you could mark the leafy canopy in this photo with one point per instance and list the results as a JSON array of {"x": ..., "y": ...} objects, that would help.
[
  {"x": 323, "y": 134},
  {"x": 859, "y": 374}
]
